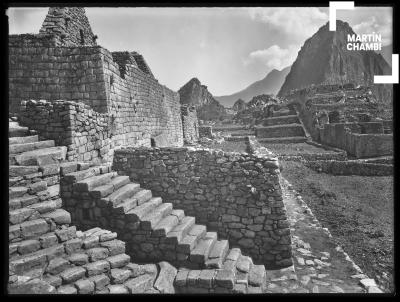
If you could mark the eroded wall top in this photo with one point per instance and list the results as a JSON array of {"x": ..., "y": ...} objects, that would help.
[{"x": 70, "y": 25}]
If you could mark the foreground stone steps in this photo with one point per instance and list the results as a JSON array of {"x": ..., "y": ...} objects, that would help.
[
  {"x": 155, "y": 228},
  {"x": 90, "y": 262},
  {"x": 39, "y": 157},
  {"x": 24, "y": 147},
  {"x": 15, "y": 130},
  {"x": 23, "y": 139}
]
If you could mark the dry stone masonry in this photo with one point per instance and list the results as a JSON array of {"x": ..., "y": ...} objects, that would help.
[{"x": 237, "y": 195}]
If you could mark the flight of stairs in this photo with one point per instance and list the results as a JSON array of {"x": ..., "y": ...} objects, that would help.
[
  {"x": 284, "y": 128},
  {"x": 152, "y": 229},
  {"x": 45, "y": 245}
]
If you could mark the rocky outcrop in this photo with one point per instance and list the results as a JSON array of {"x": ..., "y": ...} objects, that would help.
[
  {"x": 208, "y": 108},
  {"x": 239, "y": 105},
  {"x": 324, "y": 59}
]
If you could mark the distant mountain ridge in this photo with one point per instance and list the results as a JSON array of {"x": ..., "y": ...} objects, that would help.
[
  {"x": 324, "y": 59},
  {"x": 196, "y": 94},
  {"x": 268, "y": 85}
]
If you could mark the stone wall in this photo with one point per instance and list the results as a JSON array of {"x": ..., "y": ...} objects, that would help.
[
  {"x": 87, "y": 134},
  {"x": 190, "y": 124},
  {"x": 350, "y": 137},
  {"x": 69, "y": 25},
  {"x": 350, "y": 168},
  {"x": 237, "y": 195},
  {"x": 140, "y": 107},
  {"x": 143, "y": 108},
  {"x": 40, "y": 70},
  {"x": 205, "y": 131}
]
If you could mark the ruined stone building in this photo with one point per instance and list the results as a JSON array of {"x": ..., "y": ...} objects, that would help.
[
  {"x": 74, "y": 108},
  {"x": 123, "y": 101}
]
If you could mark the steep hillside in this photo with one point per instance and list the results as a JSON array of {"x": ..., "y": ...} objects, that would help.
[
  {"x": 268, "y": 85},
  {"x": 325, "y": 59},
  {"x": 194, "y": 93}
]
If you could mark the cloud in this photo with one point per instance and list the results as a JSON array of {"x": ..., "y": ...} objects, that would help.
[
  {"x": 376, "y": 25},
  {"x": 273, "y": 57},
  {"x": 299, "y": 22}
]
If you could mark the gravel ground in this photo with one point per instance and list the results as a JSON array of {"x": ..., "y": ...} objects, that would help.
[{"x": 358, "y": 211}]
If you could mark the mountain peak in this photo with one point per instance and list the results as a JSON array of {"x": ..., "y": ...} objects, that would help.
[{"x": 325, "y": 59}]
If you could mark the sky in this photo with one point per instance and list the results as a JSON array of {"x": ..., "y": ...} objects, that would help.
[{"x": 227, "y": 49}]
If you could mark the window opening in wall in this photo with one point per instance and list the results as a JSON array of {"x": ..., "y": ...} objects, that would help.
[
  {"x": 82, "y": 37},
  {"x": 152, "y": 142}
]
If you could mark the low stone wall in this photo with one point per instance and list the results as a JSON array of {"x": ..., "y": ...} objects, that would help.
[
  {"x": 290, "y": 130},
  {"x": 349, "y": 137},
  {"x": 237, "y": 195},
  {"x": 350, "y": 168},
  {"x": 86, "y": 133},
  {"x": 205, "y": 131}
]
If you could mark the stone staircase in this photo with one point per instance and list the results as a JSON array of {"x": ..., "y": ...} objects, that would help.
[
  {"x": 45, "y": 246},
  {"x": 46, "y": 254},
  {"x": 152, "y": 229},
  {"x": 284, "y": 128}
]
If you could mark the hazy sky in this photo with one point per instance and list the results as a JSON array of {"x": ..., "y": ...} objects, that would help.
[{"x": 225, "y": 48}]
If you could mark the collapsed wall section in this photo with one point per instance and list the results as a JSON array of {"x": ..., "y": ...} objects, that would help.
[{"x": 237, "y": 195}]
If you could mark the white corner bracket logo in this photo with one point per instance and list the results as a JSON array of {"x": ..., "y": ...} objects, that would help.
[
  {"x": 390, "y": 79},
  {"x": 382, "y": 79},
  {"x": 333, "y": 7}
]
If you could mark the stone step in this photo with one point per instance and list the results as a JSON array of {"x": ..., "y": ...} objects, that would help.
[
  {"x": 15, "y": 171},
  {"x": 283, "y": 140},
  {"x": 59, "y": 216},
  {"x": 180, "y": 231},
  {"x": 201, "y": 251},
  {"x": 28, "y": 229},
  {"x": 196, "y": 233},
  {"x": 107, "y": 189},
  {"x": 20, "y": 215},
  {"x": 139, "y": 212},
  {"x": 23, "y": 201},
  {"x": 17, "y": 131},
  {"x": 150, "y": 220},
  {"x": 80, "y": 175},
  {"x": 281, "y": 120},
  {"x": 23, "y": 247},
  {"x": 41, "y": 157},
  {"x": 258, "y": 276},
  {"x": 231, "y": 259},
  {"x": 122, "y": 193},
  {"x": 165, "y": 226},
  {"x": 13, "y": 124},
  {"x": 217, "y": 254},
  {"x": 24, "y": 147},
  {"x": 90, "y": 183},
  {"x": 138, "y": 198},
  {"x": 46, "y": 206},
  {"x": 15, "y": 192},
  {"x": 244, "y": 264},
  {"x": 23, "y": 139},
  {"x": 287, "y": 130}
]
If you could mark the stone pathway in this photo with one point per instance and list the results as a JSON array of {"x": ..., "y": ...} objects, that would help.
[{"x": 320, "y": 265}]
